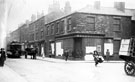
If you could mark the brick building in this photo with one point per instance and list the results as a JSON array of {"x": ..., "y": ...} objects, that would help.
[
  {"x": 82, "y": 32},
  {"x": 14, "y": 36},
  {"x": 91, "y": 28}
]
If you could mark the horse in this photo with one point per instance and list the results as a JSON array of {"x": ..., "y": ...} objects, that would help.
[{"x": 30, "y": 51}]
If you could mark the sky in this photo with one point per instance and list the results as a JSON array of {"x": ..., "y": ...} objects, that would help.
[{"x": 21, "y": 10}]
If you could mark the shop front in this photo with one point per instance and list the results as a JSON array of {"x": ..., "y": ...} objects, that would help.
[{"x": 80, "y": 46}]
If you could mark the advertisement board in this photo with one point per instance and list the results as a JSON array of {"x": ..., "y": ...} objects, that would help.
[{"x": 124, "y": 47}]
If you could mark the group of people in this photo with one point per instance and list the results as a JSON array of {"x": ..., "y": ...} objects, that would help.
[
  {"x": 97, "y": 58},
  {"x": 2, "y": 57}
]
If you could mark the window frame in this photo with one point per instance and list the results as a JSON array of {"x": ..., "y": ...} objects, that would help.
[
  {"x": 57, "y": 27},
  {"x": 52, "y": 29},
  {"x": 91, "y": 23},
  {"x": 47, "y": 30},
  {"x": 69, "y": 24},
  {"x": 118, "y": 24},
  {"x": 62, "y": 24},
  {"x": 42, "y": 33},
  {"x": 36, "y": 35}
]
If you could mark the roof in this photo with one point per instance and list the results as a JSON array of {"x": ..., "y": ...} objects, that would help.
[{"x": 108, "y": 11}]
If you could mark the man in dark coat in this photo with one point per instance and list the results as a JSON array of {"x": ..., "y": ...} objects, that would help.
[
  {"x": 2, "y": 57},
  {"x": 66, "y": 54}
]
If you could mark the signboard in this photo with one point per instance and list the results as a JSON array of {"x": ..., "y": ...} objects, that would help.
[
  {"x": 52, "y": 47},
  {"x": 42, "y": 51},
  {"x": 90, "y": 49},
  {"x": 124, "y": 47},
  {"x": 99, "y": 48},
  {"x": 59, "y": 50},
  {"x": 89, "y": 52}
]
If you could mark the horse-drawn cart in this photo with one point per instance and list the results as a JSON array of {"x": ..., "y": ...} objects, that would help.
[
  {"x": 32, "y": 52},
  {"x": 129, "y": 66},
  {"x": 129, "y": 57}
]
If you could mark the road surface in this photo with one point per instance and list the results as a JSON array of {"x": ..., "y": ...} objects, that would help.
[{"x": 28, "y": 70}]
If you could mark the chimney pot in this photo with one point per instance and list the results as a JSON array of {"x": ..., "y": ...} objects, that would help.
[
  {"x": 97, "y": 4},
  {"x": 120, "y": 6}
]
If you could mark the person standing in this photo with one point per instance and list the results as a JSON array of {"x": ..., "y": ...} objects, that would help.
[
  {"x": 66, "y": 54},
  {"x": 2, "y": 57},
  {"x": 107, "y": 54},
  {"x": 35, "y": 50},
  {"x": 42, "y": 52}
]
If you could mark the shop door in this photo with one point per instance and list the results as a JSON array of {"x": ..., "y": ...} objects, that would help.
[{"x": 78, "y": 47}]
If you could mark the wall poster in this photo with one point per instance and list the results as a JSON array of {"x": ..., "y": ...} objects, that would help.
[
  {"x": 59, "y": 50},
  {"x": 89, "y": 52}
]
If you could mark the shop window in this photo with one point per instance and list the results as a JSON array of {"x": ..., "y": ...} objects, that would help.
[
  {"x": 90, "y": 23},
  {"x": 69, "y": 24},
  {"x": 116, "y": 24},
  {"x": 108, "y": 44}
]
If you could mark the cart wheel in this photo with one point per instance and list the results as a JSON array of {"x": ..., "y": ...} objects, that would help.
[{"x": 129, "y": 68}]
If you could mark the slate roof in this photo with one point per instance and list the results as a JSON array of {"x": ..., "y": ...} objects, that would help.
[{"x": 108, "y": 11}]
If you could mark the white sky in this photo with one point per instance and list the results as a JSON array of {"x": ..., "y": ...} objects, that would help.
[{"x": 23, "y": 9}]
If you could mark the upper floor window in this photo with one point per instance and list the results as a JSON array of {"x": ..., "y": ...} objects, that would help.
[
  {"x": 37, "y": 36},
  {"x": 69, "y": 24},
  {"x": 52, "y": 29},
  {"x": 57, "y": 27},
  {"x": 32, "y": 36},
  {"x": 47, "y": 30},
  {"x": 90, "y": 20},
  {"x": 42, "y": 34},
  {"x": 116, "y": 24},
  {"x": 62, "y": 26}
]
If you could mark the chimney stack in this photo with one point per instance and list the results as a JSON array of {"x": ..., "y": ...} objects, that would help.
[
  {"x": 120, "y": 6},
  {"x": 97, "y": 4}
]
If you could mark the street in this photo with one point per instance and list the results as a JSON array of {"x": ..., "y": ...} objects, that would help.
[{"x": 28, "y": 70}]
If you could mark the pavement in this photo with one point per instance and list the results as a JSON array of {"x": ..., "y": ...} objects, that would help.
[
  {"x": 57, "y": 60},
  {"x": 8, "y": 75},
  {"x": 5, "y": 71}
]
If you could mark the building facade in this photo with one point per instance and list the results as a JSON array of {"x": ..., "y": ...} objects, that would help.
[{"x": 82, "y": 32}]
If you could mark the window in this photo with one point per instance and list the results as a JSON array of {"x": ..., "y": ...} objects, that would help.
[
  {"x": 62, "y": 26},
  {"x": 116, "y": 24},
  {"x": 52, "y": 29},
  {"x": 69, "y": 24},
  {"x": 42, "y": 34},
  {"x": 37, "y": 36},
  {"x": 32, "y": 36},
  {"x": 57, "y": 27},
  {"x": 47, "y": 30},
  {"x": 90, "y": 23}
]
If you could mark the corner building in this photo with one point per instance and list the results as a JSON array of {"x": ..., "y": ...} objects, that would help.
[{"x": 83, "y": 32}]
